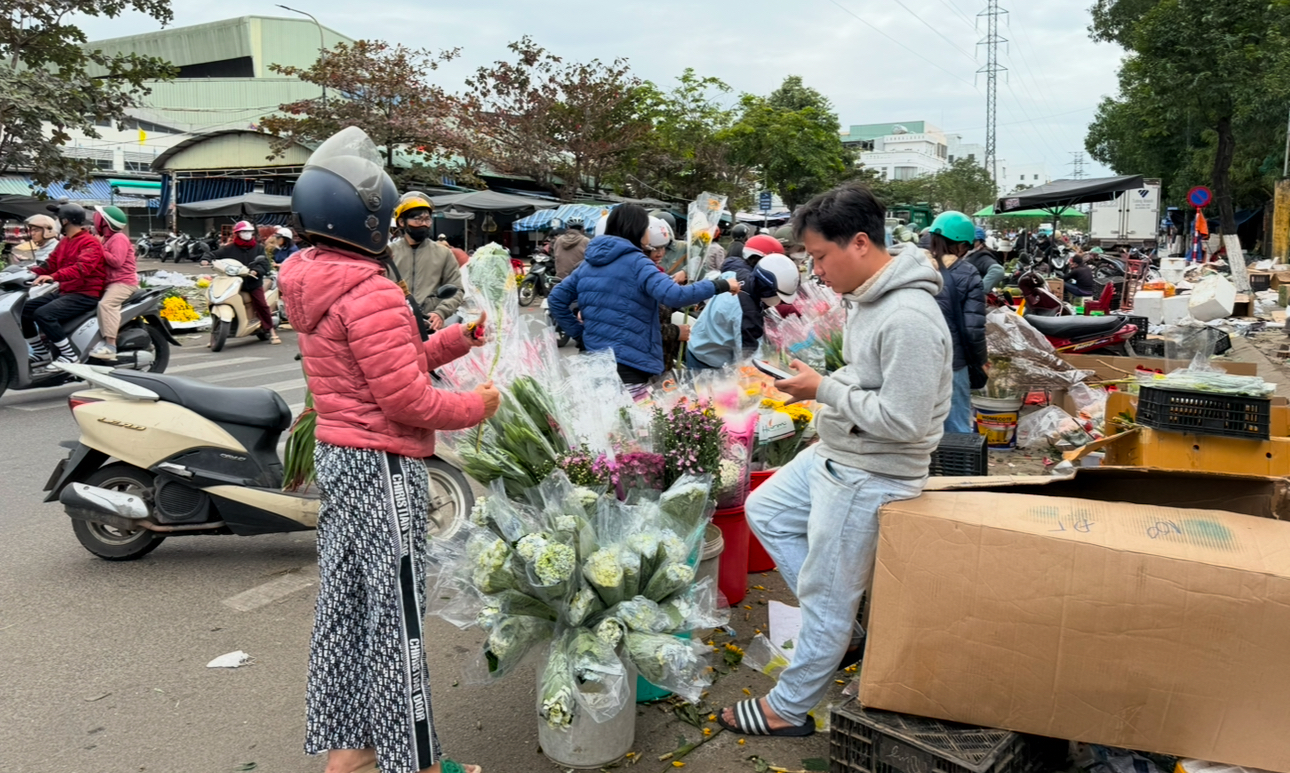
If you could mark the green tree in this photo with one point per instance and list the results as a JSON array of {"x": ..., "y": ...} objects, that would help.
[
  {"x": 564, "y": 124},
  {"x": 48, "y": 76},
  {"x": 685, "y": 154},
  {"x": 385, "y": 91},
  {"x": 964, "y": 186},
  {"x": 792, "y": 137},
  {"x": 1202, "y": 93}
]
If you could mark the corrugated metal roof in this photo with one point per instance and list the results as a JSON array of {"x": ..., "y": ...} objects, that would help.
[
  {"x": 872, "y": 131},
  {"x": 264, "y": 39},
  {"x": 206, "y": 104},
  {"x": 99, "y": 191},
  {"x": 228, "y": 150}
]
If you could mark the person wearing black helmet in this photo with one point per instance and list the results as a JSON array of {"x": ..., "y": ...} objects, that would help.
[
  {"x": 78, "y": 265},
  {"x": 368, "y": 363},
  {"x": 739, "y": 235}
]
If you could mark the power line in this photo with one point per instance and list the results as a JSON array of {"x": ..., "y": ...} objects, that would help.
[
  {"x": 959, "y": 14},
  {"x": 902, "y": 45},
  {"x": 933, "y": 29},
  {"x": 1077, "y": 164},
  {"x": 1019, "y": 123},
  {"x": 1043, "y": 137}
]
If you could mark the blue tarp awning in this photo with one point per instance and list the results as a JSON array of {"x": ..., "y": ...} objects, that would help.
[
  {"x": 194, "y": 190},
  {"x": 98, "y": 192},
  {"x": 538, "y": 221}
]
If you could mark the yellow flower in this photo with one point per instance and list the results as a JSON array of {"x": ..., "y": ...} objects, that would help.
[
  {"x": 707, "y": 731},
  {"x": 678, "y": 764},
  {"x": 740, "y": 742}
]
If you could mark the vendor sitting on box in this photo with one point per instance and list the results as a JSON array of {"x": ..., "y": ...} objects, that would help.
[{"x": 881, "y": 419}]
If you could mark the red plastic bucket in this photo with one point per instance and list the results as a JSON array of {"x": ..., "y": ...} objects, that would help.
[
  {"x": 758, "y": 559},
  {"x": 732, "y": 577}
]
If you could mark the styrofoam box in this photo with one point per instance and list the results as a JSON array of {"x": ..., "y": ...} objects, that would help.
[
  {"x": 1214, "y": 297},
  {"x": 1150, "y": 304},
  {"x": 1175, "y": 310}
]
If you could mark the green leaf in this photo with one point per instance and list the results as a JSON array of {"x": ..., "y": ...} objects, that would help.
[
  {"x": 247, "y": 766},
  {"x": 815, "y": 763}
]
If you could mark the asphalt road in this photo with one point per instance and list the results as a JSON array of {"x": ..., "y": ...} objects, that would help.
[{"x": 103, "y": 665}]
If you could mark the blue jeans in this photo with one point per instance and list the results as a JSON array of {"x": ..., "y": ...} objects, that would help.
[
  {"x": 961, "y": 418},
  {"x": 819, "y": 521}
]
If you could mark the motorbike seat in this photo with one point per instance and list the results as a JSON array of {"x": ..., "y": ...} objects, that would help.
[
  {"x": 139, "y": 294},
  {"x": 251, "y": 407},
  {"x": 1077, "y": 327}
]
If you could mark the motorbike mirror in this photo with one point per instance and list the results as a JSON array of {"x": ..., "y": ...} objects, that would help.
[{"x": 447, "y": 291}]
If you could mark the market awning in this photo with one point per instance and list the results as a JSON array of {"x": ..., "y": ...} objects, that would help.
[
  {"x": 590, "y": 214},
  {"x": 143, "y": 188},
  {"x": 489, "y": 201},
  {"x": 237, "y": 206},
  {"x": 22, "y": 207},
  {"x": 1067, "y": 193},
  {"x": 98, "y": 192},
  {"x": 1038, "y": 213}
]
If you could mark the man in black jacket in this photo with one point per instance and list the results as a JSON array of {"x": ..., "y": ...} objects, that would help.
[
  {"x": 245, "y": 249},
  {"x": 1079, "y": 278},
  {"x": 987, "y": 264}
]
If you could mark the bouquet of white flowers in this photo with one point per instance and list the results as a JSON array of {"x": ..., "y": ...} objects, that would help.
[{"x": 671, "y": 663}]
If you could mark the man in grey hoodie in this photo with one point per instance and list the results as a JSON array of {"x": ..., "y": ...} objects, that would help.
[{"x": 880, "y": 418}]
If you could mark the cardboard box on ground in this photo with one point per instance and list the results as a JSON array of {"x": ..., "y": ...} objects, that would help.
[{"x": 1129, "y": 607}]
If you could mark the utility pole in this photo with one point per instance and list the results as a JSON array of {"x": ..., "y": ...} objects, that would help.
[
  {"x": 322, "y": 42},
  {"x": 991, "y": 70},
  {"x": 1077, "y": 164}
]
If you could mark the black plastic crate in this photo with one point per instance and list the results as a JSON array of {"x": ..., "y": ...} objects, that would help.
[
  {"x": 870, "y": 741},
  {"x": 1205, "y": 413},
  {"x": 1260, "y": 282},
  {"x": 1143, "y": 324},
  {"x": 962, "y": 454}
]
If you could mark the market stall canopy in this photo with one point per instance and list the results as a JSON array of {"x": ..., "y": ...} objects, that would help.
[
  {"x": 489, "y": 201},
  {"x": 253, "y": 203},
  {"x": 1038, "y": 213},
  {"x": 590, "y": 214},
  {"x": 1067, "y": 193},
  {"x": 22, "y": 207}
]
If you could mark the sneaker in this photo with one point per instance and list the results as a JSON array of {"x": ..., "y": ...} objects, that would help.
[
  {"x": 53, "y": 366},
  {"x": 103, "y": 351}
]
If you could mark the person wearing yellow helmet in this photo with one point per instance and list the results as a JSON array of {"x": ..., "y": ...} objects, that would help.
[{"x": 422, "y": 263}]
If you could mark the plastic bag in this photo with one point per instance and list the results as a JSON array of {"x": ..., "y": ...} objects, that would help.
[
  {"x": 697, "y": 607},
  {"x": 1032, "y": 360},
  {"x": 674, "y": 664},
  {"x": 702, "y": 221},
  {"x": 1051, "y": 426},
  {"x": 1090, "y": 403},
  {"x": 510, "y": 640},
  {"x": 1214, "y": 381}
]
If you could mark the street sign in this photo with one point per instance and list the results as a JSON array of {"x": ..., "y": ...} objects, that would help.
[
  {"x": 765, "y": 201},
  {"x": 1199, "y": 196}
]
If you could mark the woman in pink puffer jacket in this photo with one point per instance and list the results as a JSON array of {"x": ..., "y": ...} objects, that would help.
[{"x": 369, "y": 363}]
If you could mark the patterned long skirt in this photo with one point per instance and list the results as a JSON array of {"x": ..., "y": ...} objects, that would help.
[{"x": 368, "y": 681}]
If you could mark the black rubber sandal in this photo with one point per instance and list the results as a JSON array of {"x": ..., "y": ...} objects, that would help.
[{"x": 750, "y": 719}]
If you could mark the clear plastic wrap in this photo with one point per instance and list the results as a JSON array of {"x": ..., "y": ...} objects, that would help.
[
  {"x": 1051, "y": 426},
  {"x": 1214, "y": 381},
  {"x": 556, "y": 703},
  {"x": 674, "y": 664},
  {"x": 1090, "y": 403},
  {"x": 603, "y": 571},
  {"x": 683, "y": 508},
  {"x": 698, "y": 607},
  {"x": 703, "y": 218},
  {"x": 669, "y": 579},
  {"x": 510, "y": 640},
  {"x": 581, "y": 674},
  {"x": 1031, "y": 360}
]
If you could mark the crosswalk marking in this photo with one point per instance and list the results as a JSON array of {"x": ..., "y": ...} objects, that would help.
[
  {"x": 213, "y": 364},
  {"x": 286, "y": 386},
  {"x": 239, "y": 373}
]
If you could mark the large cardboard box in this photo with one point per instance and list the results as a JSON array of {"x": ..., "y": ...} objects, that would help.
[
  {"x": 1139, "y": 626},
  {"x": 1117, "y": 368}
]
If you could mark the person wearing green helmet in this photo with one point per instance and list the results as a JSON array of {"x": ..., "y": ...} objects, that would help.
[
  {"x": 962, "y": 301},
  {"x": 122, "y": 276}
]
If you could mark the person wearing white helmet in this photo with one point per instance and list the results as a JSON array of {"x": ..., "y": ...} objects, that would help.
[
  {"x": 42, "y": 238},
  {"x": 570, "y": 247},
  {"x": 718, "y": 337},
  {"x": 284, "y": 244},
  {"x": 658, "y": 240},
  {"x": 245, "y": 249}
]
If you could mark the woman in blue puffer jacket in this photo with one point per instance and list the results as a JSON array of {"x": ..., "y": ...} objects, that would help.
[{"x": 618, "y": 290}]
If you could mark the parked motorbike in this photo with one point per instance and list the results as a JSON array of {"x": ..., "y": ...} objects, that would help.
[
  {"x": 230, "y": 308},
  {"x": 1081, "y": 335},
  {"x": 142, "y": 246},
  {"x": 143, "y": 342},
  {"x": 176, "y": 248},
  {"x": 536, "y": 281},
  {"x": 190, "y": 458},
  {"x": 201, "y": 249},
  {"x": 1039, "y": 300}
]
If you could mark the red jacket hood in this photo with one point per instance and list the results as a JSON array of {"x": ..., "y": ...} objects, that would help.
[{"x": 314, "y": 279}]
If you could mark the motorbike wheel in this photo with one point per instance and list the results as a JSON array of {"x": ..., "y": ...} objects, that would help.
[
  {"x": 451, "y": 499},
  {"x": 109, "y": 542},
  {"x": 219, "y": 333},
  {"x": 160, "y": 350},
  {"x": 527, "y": 293},
  {"x": 8, "y": 367}
]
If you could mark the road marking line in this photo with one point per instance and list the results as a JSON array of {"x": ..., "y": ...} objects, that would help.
[
  {"x": 287, "y": 386},
  {"x": 34, "y": 408},
  {"x": 273, "y": 590},
  {"x": 296, "y": 408},
  {"x": 213, "y": 364},
  {"x": 238, "y": 374}
]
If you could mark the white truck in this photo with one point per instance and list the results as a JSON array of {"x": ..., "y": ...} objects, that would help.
[{"x": 1132, "y": 220}]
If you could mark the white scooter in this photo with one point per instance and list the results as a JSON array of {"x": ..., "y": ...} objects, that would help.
[
  {"x": 162, "y": 456},
  {"x": 230, "y": 308}
]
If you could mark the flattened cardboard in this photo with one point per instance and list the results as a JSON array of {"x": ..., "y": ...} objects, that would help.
[
  {"x": 1119, "y": 368},
  {"x": 1133, "y": 626}
]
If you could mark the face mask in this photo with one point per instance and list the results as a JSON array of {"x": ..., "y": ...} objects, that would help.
[
  {"x": 799, "y": 256},
  {"x": 244, "y": 236},
  {"x": 418, "y": 233}
]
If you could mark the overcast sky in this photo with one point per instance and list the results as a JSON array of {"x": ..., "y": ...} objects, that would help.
[{"x": 878, "y": 61}]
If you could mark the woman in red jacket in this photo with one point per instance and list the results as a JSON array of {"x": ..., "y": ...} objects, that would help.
[{"x": 369, "y": 364}]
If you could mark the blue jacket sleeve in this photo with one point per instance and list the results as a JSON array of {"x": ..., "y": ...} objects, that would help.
[
  {"x": 663, "y": 289},
  {"x": 558, "y": 302}
]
